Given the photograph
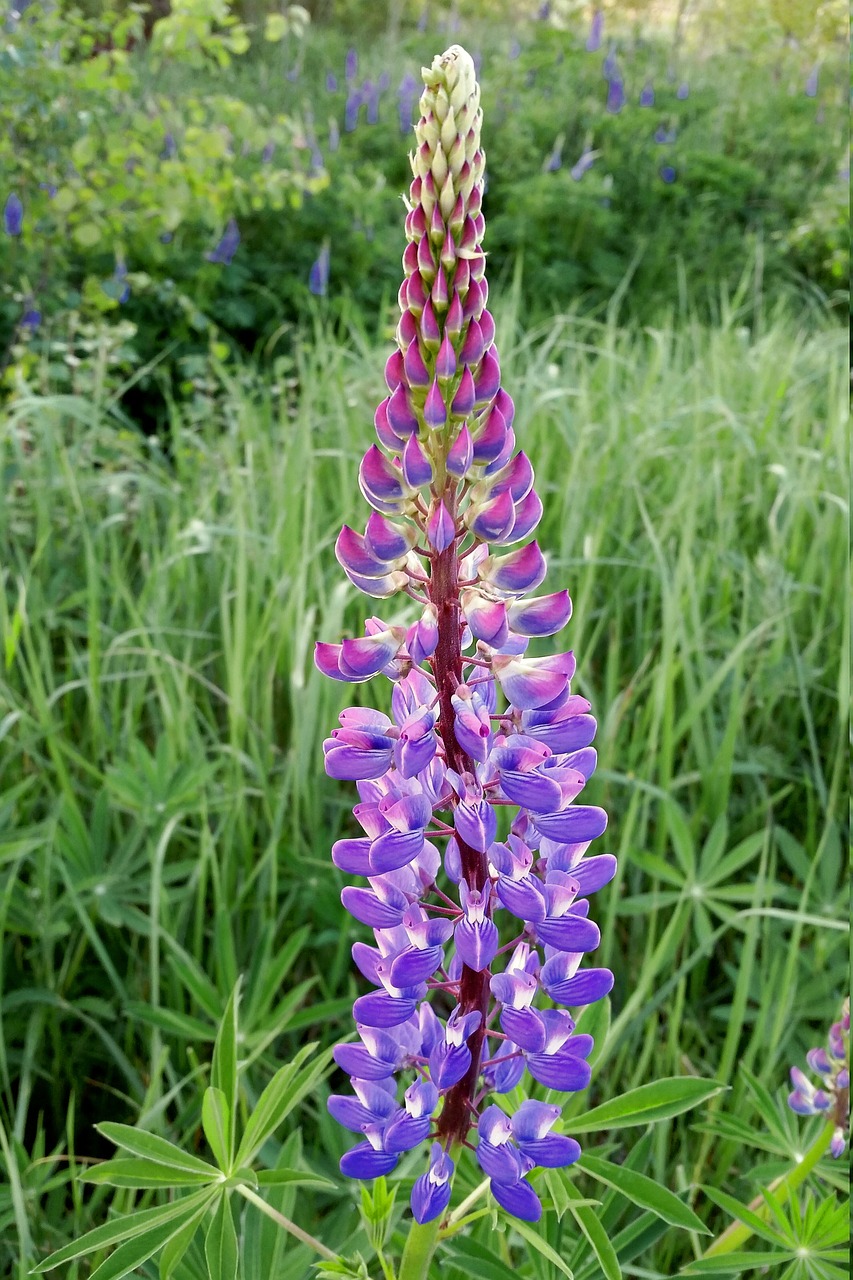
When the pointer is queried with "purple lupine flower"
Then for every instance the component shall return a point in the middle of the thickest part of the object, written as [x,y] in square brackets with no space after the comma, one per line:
[228,245]
[351,65]
[49,188]
[664,136]
[370,93]
[119,278]
[331,82]
[596,30]
[474,725]
[268,152]
[555,159]
[423,19]
[584,162]
[13,215]
[353,105]
[170,147]
[647,95]
[610,67]
[668,173]
[831,1098]
[334,135]
[544,11]
[683,91]
[813,81]
[615,96]
[31,317]
[514,50]
[407,96]
[318,277]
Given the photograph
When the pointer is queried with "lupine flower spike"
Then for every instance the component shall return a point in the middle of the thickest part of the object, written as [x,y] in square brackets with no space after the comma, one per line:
[470,832]
[831,1098]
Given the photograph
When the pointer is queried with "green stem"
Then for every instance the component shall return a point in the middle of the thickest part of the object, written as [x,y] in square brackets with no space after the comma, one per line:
[419,1249]
[261,1204]
[783,1188]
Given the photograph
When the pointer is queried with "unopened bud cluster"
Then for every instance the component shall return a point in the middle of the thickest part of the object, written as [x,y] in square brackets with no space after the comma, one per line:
[467,790]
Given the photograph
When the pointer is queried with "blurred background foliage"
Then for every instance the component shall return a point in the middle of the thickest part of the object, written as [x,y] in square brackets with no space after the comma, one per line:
[182,167]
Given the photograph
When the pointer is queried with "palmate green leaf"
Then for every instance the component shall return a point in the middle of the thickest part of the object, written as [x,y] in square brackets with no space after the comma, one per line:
[150,1146]
[588,1221]
[648,1104]
[216,1122]
[729,1263]
[174,1249]
[644,1192]
[220,1243]
[286,1089]
[137,1224]
[144,1174]
[223,1068]
[543,1247]
[741,1213]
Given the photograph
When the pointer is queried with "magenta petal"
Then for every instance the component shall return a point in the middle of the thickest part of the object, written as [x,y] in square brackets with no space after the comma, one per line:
[441,530]
[517,572]
[417,468]
[326,660]
[430,332]
[394,370]
[365,655]
[492,520]
[463,401]
[380,476]
[387,541]
[445,361]
[435,411]
[486,618]
[401,416]
[461,454]
[491,439]
[353,555]
[417,374]
[489,377]
[531,682]
[528,513]
[473,346]
[542,616]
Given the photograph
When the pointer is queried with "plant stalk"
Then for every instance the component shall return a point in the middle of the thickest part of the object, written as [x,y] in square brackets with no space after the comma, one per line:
[420,1247]
[286,1223]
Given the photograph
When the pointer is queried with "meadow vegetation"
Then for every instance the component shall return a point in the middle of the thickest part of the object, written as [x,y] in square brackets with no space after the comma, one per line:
[165,822]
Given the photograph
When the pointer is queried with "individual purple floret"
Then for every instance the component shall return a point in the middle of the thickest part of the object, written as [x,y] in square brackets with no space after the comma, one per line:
[832,1097]
[596,30]
[615,96]
[13,215]
[584,162]
[224,251]
[318,277]
[471,845]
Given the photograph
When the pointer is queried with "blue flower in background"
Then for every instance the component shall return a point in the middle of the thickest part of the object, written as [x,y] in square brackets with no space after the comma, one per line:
[331,82]
[813,81]
[664,137]
[351,110]
[585,162]
[370,95]
[423,20]
[49,188]
[267,153]
[555,160]
[351,65]
[407,96]
[514,50]
[647,96]
[170,147]
[334,135]
[596,30]
[227,247]
[668,173]
[544,11]
[31,317]
[318,277]
[683,91]
[120,277]
[13,215]
[384,82]
[615,96]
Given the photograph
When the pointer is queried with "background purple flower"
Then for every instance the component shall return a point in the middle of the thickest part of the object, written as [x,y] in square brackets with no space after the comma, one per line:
[13,215]
[318,277]
[224,251]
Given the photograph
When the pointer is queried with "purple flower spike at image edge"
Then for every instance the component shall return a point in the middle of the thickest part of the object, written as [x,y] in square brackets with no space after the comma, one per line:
[228,245]
[831,1097]
[467,828]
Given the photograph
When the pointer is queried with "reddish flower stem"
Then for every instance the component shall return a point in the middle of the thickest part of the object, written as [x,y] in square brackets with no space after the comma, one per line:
[455,1119]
